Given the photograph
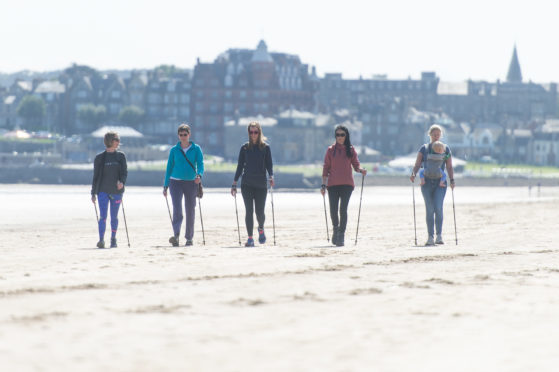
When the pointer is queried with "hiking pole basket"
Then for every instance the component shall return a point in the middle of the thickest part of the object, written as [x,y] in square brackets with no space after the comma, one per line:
[359,213]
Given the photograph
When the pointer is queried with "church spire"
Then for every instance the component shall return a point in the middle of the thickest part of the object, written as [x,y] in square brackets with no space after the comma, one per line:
[514,75]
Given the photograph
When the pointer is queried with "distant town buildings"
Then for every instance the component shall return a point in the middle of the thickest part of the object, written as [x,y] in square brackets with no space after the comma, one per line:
[509,120]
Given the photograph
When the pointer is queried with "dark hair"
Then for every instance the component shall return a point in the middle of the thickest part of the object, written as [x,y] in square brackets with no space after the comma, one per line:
[183,128]
[347,142]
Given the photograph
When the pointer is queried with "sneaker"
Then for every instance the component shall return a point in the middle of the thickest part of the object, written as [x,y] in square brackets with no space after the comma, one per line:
[188,242]
[113,243]
[430,241]
[261,236]
[439,240]
[101,244]
[174,241]
[335,235]
[249,243]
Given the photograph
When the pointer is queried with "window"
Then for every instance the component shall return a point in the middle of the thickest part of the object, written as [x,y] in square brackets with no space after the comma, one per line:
[115,94]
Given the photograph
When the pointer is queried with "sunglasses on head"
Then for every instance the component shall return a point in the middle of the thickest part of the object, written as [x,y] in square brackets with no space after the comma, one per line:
[340,134]
[253,132]
[184,134]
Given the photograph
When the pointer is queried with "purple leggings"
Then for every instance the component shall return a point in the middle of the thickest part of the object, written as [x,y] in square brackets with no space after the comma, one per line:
[104,200]
[188,189]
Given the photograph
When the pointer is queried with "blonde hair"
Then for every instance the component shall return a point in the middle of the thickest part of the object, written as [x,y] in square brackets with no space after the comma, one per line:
[438,145]
[435,127]
[109,138]
[261,141]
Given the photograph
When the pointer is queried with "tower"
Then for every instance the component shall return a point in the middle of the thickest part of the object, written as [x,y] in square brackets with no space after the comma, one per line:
[514,75]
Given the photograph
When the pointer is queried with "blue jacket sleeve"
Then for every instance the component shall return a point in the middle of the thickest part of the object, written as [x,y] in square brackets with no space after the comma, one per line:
[170,165]
[200,161]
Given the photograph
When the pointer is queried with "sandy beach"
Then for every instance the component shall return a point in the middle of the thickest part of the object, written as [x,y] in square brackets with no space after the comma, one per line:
[489,303]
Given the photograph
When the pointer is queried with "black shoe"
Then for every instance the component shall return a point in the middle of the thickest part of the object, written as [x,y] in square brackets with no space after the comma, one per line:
[101,244]
[113,243]
[340,239]
[174,240]
[334,235]
[188,242]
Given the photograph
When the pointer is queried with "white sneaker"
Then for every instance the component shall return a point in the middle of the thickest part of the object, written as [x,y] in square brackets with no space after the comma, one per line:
[430,241]
[439,240]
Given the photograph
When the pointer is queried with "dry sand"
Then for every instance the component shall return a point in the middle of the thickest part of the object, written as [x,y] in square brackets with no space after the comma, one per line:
[489,303]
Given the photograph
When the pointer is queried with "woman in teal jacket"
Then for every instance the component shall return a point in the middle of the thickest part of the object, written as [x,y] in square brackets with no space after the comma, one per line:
[185,168]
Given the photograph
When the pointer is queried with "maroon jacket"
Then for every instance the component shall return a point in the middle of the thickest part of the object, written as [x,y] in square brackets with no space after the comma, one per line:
[337,166]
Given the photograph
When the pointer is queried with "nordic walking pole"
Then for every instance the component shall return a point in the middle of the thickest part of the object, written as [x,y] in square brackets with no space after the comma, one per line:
[454,212]
[202,222]
[125,224]
[237,213]
[414,224]
[96,214]
[273,215]
[169,210]
[326,218]
[359,214]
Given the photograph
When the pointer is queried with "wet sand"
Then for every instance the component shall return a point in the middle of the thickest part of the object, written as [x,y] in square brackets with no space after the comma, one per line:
[489,303]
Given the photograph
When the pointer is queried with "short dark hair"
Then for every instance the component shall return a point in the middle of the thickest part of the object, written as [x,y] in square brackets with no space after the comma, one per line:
[109,138]
[183,128]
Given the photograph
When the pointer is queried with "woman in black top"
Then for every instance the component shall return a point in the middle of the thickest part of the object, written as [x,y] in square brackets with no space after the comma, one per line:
[255,158]
[109,176]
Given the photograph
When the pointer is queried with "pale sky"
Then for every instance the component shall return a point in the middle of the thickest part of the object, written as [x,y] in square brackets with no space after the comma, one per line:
[456,39]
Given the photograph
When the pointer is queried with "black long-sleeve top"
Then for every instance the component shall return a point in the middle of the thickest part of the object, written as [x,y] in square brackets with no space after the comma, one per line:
[108,169]
[253,164]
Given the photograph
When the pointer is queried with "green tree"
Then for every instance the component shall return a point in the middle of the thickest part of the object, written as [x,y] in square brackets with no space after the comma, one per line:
[32,110]
[131,115]
[92,115]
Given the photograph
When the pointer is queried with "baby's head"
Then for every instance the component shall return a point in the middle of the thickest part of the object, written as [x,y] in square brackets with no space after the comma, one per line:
[438,147]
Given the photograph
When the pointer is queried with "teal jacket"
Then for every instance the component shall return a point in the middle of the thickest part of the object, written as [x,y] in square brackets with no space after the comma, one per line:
[178,167]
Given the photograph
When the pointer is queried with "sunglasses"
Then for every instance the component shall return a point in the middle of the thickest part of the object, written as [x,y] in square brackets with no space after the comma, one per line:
[116,139]
[340,134]
[253,132]
[184,134]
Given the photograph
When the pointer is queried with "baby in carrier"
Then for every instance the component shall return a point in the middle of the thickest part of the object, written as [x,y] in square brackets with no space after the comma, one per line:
[432,165]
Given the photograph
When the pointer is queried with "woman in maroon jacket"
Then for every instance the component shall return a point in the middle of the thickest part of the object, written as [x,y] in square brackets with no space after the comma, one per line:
[338,178]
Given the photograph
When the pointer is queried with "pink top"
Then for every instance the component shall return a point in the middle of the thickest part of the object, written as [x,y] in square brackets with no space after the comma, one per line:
[337,166]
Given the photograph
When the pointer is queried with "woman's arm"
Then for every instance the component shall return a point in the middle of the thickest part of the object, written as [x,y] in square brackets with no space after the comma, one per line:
[240,165]
[450,171]
[417,165]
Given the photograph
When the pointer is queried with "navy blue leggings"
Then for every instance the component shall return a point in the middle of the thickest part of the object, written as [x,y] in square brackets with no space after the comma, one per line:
[104,200]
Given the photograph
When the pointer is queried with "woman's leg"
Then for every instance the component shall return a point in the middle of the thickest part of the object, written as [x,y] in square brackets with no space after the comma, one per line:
[427,190]
[190,191]
[103,199]
[438,199]
[345,195]
[333,200]
[260,205]
[248,198]
[116,200]
[176,196]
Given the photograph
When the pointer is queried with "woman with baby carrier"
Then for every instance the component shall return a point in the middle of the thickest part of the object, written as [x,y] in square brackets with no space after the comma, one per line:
[433,161]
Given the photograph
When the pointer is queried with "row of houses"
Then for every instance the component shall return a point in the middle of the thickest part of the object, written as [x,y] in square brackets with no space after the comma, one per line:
[242,83]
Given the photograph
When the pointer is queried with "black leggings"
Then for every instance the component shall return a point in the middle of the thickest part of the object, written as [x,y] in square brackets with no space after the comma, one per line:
[254,197]
[335,193]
